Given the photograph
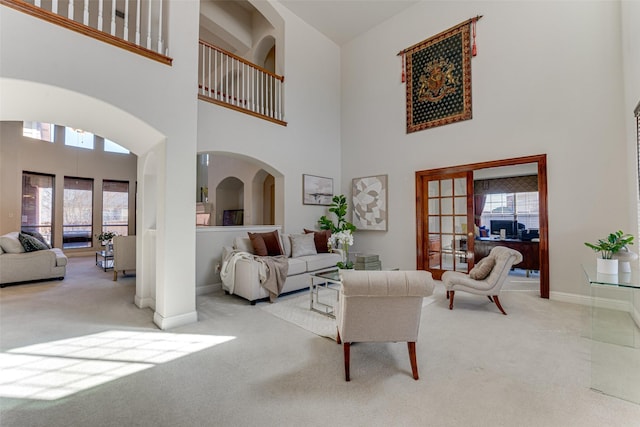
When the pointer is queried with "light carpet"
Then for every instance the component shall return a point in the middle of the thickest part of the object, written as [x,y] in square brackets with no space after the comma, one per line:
[295,309]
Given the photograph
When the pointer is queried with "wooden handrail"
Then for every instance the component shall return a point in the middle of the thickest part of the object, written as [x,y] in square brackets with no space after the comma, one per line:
[244,61]
[54,18]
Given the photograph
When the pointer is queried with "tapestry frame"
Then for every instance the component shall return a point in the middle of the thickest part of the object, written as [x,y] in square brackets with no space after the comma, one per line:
[369,196]
[317,190]
[429,101]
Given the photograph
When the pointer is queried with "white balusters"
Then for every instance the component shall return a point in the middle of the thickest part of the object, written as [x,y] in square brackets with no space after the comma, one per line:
[149,26]
[96,9]
[100,11]
[231,80]
[138,22]
[113,17]
[85,14]
[125,31]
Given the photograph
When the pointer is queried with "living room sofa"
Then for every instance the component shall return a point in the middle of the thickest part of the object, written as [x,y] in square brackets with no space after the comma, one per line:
[17,265]
[245,278]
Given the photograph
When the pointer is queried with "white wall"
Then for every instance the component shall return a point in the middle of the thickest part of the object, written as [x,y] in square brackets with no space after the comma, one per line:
[148,107]
[309,144]
[547,79]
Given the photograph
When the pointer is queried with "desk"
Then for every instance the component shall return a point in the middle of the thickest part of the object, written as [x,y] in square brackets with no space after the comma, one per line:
[615,336]
[530,251]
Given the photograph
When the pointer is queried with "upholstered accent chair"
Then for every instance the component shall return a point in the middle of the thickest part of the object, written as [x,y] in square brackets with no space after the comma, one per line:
[502,259]
[124,255]
[381,306]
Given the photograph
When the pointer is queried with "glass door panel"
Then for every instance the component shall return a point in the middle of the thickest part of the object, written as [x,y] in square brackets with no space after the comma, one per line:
[449,209]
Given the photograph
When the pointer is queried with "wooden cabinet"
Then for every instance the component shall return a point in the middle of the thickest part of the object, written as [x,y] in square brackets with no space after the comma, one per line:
[530,251]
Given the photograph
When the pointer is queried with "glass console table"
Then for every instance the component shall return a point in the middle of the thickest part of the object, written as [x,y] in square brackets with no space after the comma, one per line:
[615,333]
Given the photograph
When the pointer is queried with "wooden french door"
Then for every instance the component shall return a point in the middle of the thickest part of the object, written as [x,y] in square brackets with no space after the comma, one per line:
[446,221]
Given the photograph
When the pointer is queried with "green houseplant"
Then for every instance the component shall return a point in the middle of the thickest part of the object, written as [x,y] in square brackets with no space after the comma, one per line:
[611,244]
[342,230]
[607,248]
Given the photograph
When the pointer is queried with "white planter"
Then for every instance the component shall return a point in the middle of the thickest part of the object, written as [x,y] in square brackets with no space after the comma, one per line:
[607,266]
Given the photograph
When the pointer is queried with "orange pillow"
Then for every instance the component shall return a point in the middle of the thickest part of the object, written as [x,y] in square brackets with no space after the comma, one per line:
[266,244]
[320,238]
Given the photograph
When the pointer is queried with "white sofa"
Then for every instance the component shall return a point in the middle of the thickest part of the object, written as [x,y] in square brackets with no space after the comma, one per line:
[16,265]
[246,281]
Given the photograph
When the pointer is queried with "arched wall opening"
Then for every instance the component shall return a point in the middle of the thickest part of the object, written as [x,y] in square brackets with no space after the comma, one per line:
[261,189]
[24,100]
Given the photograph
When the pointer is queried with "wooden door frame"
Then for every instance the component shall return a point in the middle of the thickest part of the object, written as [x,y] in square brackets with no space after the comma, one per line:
[540,160]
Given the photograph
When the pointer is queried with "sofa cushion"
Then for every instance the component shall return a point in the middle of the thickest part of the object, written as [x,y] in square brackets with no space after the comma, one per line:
[31,244]
[296,266]
[10,243]
[320,261]
[482,269]
[302,244]
[38,236]
[243,244]
[321,239]
[266,244]
[285,240]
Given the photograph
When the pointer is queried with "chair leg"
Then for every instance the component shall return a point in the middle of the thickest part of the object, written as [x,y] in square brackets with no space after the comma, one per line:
[338,340]
[115,276]
[412,358]
[451,294]
[497,301]
[490,299]
[347,357]
[447,294]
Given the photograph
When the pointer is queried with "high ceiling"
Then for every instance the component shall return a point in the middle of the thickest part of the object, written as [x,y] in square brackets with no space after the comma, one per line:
[343,20]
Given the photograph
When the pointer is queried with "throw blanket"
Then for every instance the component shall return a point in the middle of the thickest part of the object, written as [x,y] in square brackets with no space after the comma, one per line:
[272,272]
[277,268]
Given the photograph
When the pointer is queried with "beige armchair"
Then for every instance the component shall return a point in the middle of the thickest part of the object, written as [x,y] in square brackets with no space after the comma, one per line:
[381,306]
[491,285]
[124,255]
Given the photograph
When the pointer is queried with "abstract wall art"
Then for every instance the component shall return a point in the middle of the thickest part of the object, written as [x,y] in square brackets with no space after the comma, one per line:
[369,197]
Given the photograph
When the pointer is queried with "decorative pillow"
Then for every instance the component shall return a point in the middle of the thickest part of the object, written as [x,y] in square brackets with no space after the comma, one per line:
[266,244]
[30,243]
[243,244]
[10,243]
[302,244]
[320,238]
[37,236]
[482,269]
[286,245]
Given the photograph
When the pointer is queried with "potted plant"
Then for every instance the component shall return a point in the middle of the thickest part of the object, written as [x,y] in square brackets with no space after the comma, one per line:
[607,248]
[342,230]
[105,238]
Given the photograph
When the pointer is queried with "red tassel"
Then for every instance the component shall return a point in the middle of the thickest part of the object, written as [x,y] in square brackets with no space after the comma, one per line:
[474,50]
[403,74]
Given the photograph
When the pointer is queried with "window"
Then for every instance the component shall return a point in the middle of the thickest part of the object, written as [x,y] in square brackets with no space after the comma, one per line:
[519,207]
[78,138]
[37,204]
[115,207]
[38,130]
[77,226]
[112,147]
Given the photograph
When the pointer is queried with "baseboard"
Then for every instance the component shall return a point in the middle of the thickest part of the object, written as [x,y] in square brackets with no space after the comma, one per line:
[207,289]
[174,321]
[144,302]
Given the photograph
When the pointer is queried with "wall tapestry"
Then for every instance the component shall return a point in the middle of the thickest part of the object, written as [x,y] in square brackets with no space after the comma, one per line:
[369,196]
[316,190]
[439,78]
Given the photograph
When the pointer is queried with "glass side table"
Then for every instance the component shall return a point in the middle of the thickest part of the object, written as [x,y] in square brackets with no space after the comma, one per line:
[104,259]
[324,284]
[614,332]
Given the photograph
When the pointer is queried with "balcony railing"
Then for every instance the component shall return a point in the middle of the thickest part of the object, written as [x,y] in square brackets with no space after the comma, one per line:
[135,25]
[233,82]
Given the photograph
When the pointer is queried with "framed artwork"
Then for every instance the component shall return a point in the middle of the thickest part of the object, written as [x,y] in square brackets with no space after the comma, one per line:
[316,190]
[438,89]
[369,197]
